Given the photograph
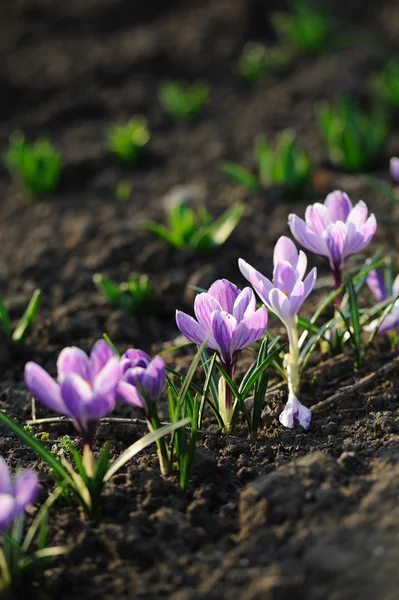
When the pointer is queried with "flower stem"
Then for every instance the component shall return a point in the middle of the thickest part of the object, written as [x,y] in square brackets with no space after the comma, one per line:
[88,460]
[5,580]
[337,284]
[226,400]
[293,357]
[154,423]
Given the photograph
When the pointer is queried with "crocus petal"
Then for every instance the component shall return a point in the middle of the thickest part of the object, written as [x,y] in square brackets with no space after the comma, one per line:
[101,353]
[295,411]
[390,322]
[76,393]
[223,326]
[306,236]
[335,238]
[318,217]
[368,229]
[154,377]
[285,250]
[107,379]
[189,327]
[204,306]
[73,360]
[131,395]
[339,205]
[225,293]
[376,283]
[43,387]
[136,355]
[310,282]
[281,305]
[296,298]
[7,511]
[302,264]
[284,277]
[5,478]
[99,406]
[250,330]
[26,488]
[261,284]
[245,304]
[358,214]
[394,167]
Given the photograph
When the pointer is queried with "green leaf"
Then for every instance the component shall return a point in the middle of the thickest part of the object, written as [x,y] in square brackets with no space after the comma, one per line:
[5,318]
[106,287]
[240,175]
[28,317]
[223,227]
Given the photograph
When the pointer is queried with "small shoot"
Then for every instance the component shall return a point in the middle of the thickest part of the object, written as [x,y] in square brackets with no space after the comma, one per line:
[193,229]
[386,83]
[355,140]
[24,323]
[128,141]
[304,28]
[258,61]
[183,101]
[37,167]
[133,296]
[284,165]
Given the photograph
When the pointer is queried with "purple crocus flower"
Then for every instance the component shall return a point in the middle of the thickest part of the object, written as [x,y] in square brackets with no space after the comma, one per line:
[288,292]
[294,411]
[394,168]
[15,495]
[85,387]
[376,283]
[141,375]
[335,229]
[227,318]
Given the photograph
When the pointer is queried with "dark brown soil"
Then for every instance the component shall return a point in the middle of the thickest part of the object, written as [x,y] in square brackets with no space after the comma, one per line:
[293,515]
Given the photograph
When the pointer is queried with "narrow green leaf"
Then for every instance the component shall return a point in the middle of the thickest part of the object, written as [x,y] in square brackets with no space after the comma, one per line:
[240,175]
[27,318]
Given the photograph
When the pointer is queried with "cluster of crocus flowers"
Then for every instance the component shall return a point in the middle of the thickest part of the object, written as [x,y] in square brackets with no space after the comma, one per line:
[376,283]
[15,495]
[142,379]
[285,296]
[228,321]
[335,229]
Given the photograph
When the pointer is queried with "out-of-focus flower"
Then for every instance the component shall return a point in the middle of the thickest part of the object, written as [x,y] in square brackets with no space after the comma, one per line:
[334,229]
[376,283]
[15,495]
[227,318]
[286,294]
[394,167]
[141,376]
[85,387]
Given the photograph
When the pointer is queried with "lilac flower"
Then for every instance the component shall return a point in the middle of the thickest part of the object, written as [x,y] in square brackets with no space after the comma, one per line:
[334,229]
[15,495]
[288,292]
[141,375]
[227,318]
[394,167]
[376,283]
[295,411]
[85,388]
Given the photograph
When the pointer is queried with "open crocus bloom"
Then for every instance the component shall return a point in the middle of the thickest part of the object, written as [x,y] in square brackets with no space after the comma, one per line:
[376,283]
[334,229]
[287,293]
[85,387]
[227,318]
[141,375]
[15,495]
[394,167]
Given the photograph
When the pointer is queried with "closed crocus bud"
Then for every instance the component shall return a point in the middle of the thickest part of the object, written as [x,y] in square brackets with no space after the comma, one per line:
[295,412]
[85,388]
[394,168]
[143,379]
[15,495]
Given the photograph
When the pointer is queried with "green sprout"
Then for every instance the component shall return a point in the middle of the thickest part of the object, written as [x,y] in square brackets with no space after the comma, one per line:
[24,323]
[37,167]
[184,101]
[257,60]
[354,139]
[304,28]
[193,228]
[127,141]
[285,165]
[386,84]
[133,296]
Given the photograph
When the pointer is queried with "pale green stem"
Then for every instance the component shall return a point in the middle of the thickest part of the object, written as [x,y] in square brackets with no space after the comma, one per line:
[5,580]
[225,404]
[293,356]
[89,462]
